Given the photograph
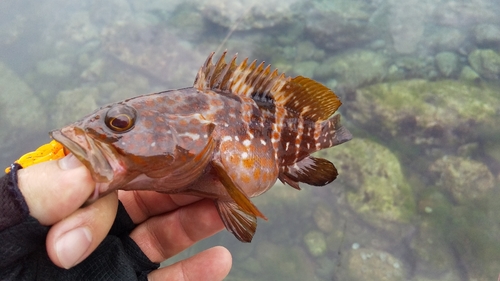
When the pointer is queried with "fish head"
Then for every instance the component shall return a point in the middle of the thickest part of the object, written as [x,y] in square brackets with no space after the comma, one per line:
[102,141]
[139,144]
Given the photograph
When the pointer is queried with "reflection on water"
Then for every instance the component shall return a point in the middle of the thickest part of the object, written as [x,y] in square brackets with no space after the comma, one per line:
[417,196]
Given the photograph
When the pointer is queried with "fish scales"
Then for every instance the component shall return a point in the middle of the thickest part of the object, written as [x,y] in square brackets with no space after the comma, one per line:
[229,138]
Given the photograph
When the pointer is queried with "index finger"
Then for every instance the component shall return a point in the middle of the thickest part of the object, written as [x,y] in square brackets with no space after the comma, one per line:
[143,204]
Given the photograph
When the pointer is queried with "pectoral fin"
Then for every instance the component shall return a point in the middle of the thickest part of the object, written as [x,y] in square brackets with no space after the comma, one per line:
[240,216]
[235,192]
[310,170]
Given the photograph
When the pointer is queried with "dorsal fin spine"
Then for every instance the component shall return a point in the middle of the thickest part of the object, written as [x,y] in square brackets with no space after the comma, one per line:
[225,75]
[303,96]
[259,76]
[267,87]
[238,76]
[241,86]
[228,79]
[216,71]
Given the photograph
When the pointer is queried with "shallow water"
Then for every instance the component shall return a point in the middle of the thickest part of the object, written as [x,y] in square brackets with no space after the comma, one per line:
[417,196]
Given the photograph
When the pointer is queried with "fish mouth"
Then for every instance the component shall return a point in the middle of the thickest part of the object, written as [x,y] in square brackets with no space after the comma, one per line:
[93,154]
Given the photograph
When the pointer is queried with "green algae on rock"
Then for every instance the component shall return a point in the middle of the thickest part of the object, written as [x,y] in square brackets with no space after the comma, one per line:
[444,114]
[447,63]
[324,218]
[315,243]
[468,74]
[486,62]
[463,178]
[377,188]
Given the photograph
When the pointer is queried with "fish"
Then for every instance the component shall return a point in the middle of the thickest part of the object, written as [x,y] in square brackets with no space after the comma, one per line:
[229,137]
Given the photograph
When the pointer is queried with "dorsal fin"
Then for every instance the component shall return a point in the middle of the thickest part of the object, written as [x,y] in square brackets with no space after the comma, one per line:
[301,95]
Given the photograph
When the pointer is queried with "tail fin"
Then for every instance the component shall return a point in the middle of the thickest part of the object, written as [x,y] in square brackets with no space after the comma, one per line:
[332,133]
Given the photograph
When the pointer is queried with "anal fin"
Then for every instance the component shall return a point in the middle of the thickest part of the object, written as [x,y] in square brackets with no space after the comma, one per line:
[238,221]
[310,170]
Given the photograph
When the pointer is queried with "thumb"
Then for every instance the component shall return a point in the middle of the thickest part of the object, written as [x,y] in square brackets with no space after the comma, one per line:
[55,189]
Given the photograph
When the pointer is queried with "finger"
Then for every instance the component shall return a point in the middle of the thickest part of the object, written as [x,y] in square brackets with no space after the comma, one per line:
[141,205]
[164,236]
[55,189]
[71,240]
[210,265]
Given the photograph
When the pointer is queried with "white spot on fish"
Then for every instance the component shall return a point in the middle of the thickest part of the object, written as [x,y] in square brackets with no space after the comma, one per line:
[227,138]
[244,155]
[263,142]
[247,143]
[192,136]
[153,144]
[236,138]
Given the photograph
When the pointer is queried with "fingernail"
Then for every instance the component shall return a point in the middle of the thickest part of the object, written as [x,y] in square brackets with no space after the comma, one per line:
[69,162]
[71,246]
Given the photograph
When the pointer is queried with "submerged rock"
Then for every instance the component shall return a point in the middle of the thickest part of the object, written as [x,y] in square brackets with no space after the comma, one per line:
[324,218]
[71,105]
[447,63]
[156,51]
[406,28]
[420,114]
[283,262]
[435,257]
[468,74]
[376,187]
[337,24]
[415,67]
[315,243]
[446,39]
[464,13]
[487,34]
[463,178]
[370,264]
[486,63]
[21,113]
[54,67]
[243,15]
[354,68]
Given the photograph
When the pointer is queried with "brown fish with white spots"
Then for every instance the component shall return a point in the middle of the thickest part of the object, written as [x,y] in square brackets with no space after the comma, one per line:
[228,138]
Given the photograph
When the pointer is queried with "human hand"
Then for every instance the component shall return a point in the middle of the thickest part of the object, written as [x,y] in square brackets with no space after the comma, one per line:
[56,190]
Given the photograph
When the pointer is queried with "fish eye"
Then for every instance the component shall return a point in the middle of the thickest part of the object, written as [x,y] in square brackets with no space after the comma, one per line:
[120,118]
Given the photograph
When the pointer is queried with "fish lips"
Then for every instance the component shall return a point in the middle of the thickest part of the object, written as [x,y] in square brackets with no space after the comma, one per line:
[94,155]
